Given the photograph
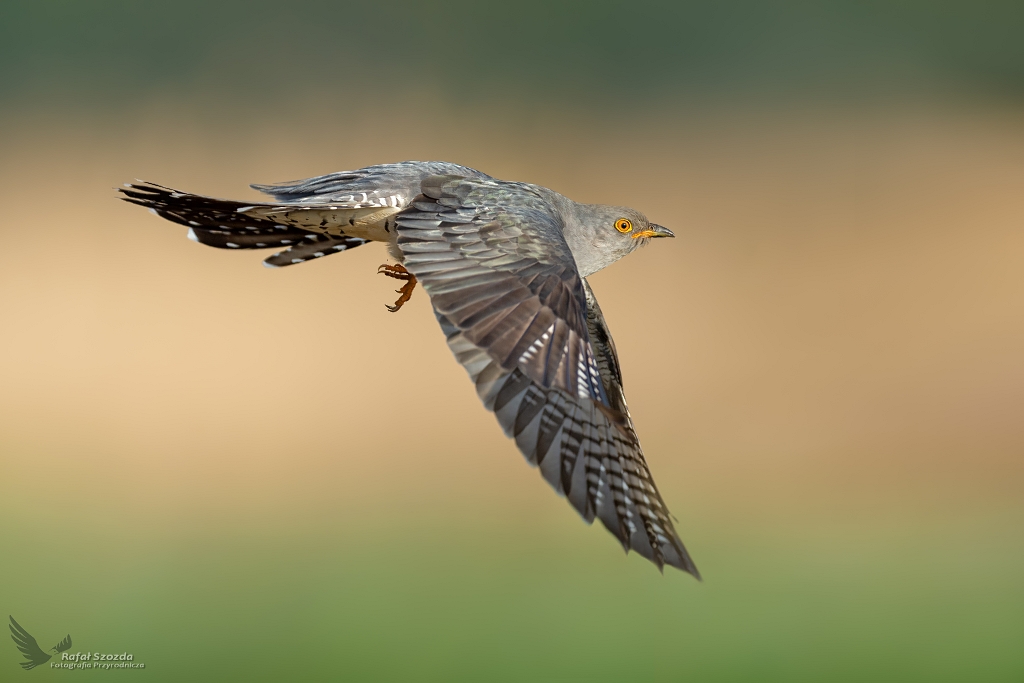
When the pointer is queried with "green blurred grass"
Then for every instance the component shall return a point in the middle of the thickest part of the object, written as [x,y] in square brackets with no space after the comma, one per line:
[113,51]
[447,599]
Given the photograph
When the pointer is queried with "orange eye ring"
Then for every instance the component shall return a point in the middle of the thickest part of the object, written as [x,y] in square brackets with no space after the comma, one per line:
[624,225]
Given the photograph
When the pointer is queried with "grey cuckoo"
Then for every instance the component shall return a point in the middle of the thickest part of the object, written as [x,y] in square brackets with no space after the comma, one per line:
[505,266]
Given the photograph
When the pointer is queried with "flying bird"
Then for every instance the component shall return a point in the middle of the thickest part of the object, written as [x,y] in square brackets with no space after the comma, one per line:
[30,648]
[505,266]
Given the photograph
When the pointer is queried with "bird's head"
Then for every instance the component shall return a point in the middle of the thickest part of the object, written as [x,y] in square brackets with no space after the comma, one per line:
[608,234]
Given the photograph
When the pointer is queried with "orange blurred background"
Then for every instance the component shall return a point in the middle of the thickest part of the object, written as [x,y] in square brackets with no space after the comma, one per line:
[840,316]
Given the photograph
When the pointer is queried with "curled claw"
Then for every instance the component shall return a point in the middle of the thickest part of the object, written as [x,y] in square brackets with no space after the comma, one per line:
[399,272]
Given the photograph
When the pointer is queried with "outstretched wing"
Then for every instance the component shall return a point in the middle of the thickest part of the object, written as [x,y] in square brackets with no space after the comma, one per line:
[525,325]
[28,646]
[63,645]
[371,186]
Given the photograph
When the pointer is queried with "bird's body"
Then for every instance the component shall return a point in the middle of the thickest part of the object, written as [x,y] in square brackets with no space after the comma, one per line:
[361,204]
[504,264]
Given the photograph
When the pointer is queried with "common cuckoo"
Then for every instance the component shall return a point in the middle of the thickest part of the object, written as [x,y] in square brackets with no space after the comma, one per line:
[505,267]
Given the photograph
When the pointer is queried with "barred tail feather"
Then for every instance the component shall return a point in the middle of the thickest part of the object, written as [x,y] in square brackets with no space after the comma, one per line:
[228,224]
[196,211]
[312,247]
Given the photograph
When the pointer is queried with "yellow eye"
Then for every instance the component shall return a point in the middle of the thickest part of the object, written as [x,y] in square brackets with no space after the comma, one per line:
[623,225]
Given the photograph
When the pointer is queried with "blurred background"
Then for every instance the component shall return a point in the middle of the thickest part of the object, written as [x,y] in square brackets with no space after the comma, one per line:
[242,474]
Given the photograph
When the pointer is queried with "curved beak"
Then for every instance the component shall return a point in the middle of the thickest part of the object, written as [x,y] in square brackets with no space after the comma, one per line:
[653,231]
[660,231]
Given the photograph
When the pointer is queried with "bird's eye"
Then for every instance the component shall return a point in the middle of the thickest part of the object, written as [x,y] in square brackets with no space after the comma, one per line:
[623,225]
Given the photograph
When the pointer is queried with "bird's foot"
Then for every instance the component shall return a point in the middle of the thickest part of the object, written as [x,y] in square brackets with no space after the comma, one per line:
[399,272]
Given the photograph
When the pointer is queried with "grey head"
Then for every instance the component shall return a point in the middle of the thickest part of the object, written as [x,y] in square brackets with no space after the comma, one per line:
[600,235]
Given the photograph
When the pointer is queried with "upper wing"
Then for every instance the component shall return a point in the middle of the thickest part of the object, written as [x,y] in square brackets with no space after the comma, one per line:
[525,325]
[28,646]
[367,186]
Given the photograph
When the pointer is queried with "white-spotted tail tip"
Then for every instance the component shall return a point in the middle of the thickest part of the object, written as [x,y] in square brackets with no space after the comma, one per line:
[269,265]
